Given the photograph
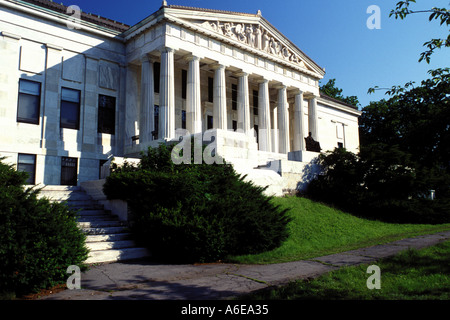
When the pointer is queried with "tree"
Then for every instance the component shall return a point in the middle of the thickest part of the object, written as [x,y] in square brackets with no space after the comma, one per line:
[331,90]
[39,239]
[402,10]
[415,118]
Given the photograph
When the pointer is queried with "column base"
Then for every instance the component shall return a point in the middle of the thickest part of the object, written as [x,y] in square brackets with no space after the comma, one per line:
[302,155]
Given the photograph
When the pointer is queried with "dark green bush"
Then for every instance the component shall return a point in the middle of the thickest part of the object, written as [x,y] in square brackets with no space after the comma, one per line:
[196,212]
[382,183]
[39,239]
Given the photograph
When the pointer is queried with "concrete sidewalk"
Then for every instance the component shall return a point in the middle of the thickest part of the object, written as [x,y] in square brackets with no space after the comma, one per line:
[144,280]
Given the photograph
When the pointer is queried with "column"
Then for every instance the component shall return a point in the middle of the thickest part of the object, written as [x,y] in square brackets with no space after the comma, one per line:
[220,98]
[243,104]
[312,119]
[50,133]
[275,131]
[131,103]
[167,96]
[283,120]
[193,98]
[146,117]
[265,143]
[299,139]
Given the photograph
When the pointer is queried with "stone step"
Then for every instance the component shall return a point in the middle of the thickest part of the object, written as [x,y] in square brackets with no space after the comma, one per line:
[105,230]
[108,237]
[65,195]
[85,205]
[102,256]
[86,212]
[60,188]
[100,224]
[96,217]
[107,245]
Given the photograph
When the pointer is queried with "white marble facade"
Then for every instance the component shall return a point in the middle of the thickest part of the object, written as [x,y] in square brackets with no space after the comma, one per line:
[180,68]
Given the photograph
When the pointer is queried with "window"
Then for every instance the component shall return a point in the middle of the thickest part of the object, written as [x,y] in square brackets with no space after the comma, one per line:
[156,74]
[183,119]
[27,163]
[256,133]
[69,171]
[106,114]
[210,122]
[29,101]
[234,96]
[339,131]
[255,102]
[234,125]
[70,108]
[101,163]
[155,133]
[340,145]
[210,89]
[184,84]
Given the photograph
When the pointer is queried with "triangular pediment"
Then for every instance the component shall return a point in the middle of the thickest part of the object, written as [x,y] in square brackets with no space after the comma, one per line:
[250,31]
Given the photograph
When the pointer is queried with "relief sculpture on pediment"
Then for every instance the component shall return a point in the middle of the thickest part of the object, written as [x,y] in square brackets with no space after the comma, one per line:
[256,37]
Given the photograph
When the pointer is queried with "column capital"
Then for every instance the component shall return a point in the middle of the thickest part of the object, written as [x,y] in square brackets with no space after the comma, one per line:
[242,74]
[262,81]
[166,49]
[146,58]
[192,57]
[281,86]
[298,92]
[216,66]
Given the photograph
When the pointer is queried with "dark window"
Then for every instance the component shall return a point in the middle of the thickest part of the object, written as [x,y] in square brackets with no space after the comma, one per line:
[155,133]
[210,89]
[184,83]
[210,122]
[234,125]
[70,108]
[102,162]
[234,96]
[183,119]
[255,102]
[106,114]
[340,145]
[257,133]
[29,101]
[156,73]
[69,171]
[27,163]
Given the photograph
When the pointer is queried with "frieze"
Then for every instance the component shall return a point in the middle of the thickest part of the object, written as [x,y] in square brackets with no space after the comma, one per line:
[254,36]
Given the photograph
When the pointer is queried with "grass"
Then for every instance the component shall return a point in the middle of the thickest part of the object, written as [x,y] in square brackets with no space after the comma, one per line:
[318,230]
[410,275]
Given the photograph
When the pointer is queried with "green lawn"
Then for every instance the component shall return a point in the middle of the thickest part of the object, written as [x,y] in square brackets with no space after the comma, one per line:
[318,230]
[410,275]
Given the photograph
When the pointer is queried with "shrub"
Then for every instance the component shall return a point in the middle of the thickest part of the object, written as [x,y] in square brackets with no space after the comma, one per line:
[196,212]
[383,183]
[39,239]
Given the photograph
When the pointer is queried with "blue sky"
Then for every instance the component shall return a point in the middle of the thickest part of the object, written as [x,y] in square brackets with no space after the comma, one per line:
[332,33]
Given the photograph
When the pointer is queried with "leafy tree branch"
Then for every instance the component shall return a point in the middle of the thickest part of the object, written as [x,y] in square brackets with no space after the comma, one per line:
[402,10]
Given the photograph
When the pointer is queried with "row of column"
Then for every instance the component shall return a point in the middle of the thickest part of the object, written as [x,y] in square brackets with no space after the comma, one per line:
[270,139]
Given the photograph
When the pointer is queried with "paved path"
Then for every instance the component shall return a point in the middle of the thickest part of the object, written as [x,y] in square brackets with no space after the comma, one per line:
[143,280]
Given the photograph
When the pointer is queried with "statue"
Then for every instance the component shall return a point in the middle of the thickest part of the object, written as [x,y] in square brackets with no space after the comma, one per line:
[265,41]
[227,30]
[258,40]
[311,144]
[250,36]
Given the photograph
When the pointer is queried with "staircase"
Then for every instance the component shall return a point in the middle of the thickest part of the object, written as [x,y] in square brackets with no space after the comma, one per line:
[107,238]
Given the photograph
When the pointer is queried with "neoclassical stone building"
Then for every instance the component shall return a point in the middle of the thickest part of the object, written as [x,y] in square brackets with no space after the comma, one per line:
[76,92]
